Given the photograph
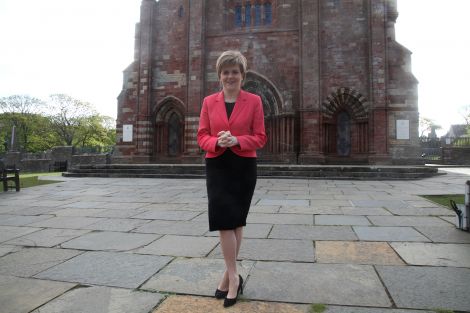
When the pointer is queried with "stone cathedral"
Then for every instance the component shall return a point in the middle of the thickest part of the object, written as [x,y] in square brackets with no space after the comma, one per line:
[336,86]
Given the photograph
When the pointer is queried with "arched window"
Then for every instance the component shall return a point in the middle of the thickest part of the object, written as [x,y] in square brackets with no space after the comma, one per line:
[268,14]
[257,14]
[238,16]
[181,11]
[248,15]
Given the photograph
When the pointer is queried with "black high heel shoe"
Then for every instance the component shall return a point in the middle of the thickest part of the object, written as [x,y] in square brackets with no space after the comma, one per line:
[228,301]
[219,294]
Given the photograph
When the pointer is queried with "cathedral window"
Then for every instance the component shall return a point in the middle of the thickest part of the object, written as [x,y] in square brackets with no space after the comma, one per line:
[268,14]
[257,14]
[252,13]
[238,16]
[248,14]
[181,11]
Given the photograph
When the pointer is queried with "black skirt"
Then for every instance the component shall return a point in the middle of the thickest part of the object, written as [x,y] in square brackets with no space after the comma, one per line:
[231,181]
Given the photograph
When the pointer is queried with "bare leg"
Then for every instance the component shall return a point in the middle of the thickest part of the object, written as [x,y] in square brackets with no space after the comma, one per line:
[228,243]
[223,285]
[239,235]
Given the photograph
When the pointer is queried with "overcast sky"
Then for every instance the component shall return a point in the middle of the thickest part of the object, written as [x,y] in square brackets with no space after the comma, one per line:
[81,48]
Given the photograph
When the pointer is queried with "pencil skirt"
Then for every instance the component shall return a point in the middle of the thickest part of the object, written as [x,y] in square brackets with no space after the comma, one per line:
[231,181]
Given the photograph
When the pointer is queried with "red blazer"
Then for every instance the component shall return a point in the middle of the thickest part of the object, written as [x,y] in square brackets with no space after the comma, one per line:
[246,123]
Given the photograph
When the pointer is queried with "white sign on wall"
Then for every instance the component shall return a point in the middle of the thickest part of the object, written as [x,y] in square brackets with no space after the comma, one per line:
[127,133]
[403,129]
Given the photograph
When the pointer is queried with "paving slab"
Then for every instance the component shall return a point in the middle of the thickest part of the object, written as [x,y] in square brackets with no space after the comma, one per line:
[388,204]
[189,228]
[47,237]
[434,254]
[30,261]
[121,213]
[21,220]
[10,232]
[192,276]
[249,231]
[273,250]
[73,222]
[373,233]
[5,249]
[78,212]
[427,287]
[102,300]
[283,202]
[312,232]
[191,304]
[21,295]
[265,208]
[364,211]
[341,220]
[117,224]
[285,219]
[187,246]
[309,210]
[115,269]
[32,210]
[104,240]
[432,211]
[316,283]
[167,215]
[445,234]
[354,252]
[407,221]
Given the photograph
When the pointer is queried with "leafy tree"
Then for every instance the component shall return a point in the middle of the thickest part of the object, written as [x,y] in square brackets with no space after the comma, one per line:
[427,125]
[21,111]
[67,116]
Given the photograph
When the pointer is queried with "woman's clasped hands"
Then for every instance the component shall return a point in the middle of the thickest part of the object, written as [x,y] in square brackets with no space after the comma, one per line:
[226,140]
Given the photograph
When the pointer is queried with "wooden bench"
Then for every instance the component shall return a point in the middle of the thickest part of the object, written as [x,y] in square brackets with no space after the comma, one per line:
[9,174]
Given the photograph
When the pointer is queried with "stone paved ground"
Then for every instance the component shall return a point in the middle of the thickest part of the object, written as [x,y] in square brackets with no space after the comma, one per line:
[142,245]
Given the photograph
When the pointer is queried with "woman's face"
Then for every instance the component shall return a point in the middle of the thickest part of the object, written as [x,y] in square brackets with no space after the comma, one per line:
[231,78]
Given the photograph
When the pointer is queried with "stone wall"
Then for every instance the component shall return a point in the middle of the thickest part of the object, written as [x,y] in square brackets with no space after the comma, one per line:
[456,155]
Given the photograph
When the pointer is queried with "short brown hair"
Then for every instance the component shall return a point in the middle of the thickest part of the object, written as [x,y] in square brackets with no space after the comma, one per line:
[230,58]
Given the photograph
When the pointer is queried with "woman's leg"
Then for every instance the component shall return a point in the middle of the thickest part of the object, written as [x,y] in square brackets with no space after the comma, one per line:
[228,243]
[239,235]
[223,285]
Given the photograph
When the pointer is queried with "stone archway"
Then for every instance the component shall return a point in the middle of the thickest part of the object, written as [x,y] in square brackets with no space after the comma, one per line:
[345,124]
[169,129]
[279,124]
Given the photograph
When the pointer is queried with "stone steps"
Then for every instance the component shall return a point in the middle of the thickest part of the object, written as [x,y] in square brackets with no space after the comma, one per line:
[353,172]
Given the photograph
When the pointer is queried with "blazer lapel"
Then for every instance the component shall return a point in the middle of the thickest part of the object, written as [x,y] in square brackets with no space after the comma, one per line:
[239,104]
[220,107]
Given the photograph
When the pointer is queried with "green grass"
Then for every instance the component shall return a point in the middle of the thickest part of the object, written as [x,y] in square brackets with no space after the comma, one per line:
[40,174]
[317,308]
[444,199]
[31,181]
[443,311]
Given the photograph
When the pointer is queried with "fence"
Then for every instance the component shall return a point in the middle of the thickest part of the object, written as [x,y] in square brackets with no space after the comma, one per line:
[445,150]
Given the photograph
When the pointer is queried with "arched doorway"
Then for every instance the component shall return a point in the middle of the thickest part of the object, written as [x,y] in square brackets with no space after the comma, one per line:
[279,125]
[169,129]
[345,124]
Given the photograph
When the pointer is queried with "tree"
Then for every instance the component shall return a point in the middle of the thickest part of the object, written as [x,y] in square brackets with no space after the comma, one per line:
[68,115]
[76,123]
[427,125]
[21,111]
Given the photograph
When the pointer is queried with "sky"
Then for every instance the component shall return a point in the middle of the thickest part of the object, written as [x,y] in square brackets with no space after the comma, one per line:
[80,48]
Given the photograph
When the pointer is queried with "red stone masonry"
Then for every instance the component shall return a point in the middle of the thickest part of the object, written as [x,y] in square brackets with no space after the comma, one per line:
[332,78]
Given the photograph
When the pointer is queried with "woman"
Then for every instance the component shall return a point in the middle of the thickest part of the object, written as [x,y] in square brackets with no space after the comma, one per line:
[231,128]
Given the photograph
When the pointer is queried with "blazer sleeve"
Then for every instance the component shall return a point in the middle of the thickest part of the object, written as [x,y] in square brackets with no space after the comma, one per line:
[258,137]
[206,141]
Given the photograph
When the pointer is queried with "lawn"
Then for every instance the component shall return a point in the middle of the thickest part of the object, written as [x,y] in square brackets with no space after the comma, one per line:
[31,179]
[444,199]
